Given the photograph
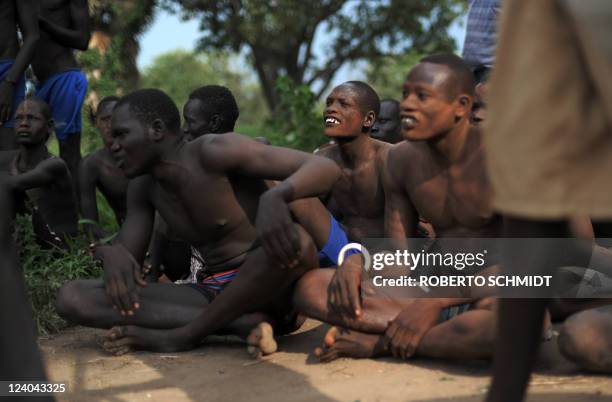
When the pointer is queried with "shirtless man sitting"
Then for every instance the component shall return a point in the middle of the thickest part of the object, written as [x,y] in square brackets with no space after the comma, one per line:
[98,170]
[189,183]
[439,175]
[40,179]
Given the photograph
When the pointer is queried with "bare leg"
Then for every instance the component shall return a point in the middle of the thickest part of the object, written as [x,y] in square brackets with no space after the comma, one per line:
[467,336]
[259,285]
[520,320]
[21,358]
[585,339]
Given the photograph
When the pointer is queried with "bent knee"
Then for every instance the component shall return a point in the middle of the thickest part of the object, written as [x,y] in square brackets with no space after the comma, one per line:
[311,289]
[583,340]
[69,300]
[308,250]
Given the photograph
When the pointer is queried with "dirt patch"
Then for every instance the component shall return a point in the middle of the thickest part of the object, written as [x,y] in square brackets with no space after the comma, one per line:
[216,372]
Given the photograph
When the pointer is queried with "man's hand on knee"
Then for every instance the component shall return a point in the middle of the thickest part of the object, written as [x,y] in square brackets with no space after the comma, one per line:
[344,288]
[277,231]
[121,275]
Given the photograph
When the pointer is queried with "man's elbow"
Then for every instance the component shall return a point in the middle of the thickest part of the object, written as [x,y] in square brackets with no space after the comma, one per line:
[332,169]
[31,40]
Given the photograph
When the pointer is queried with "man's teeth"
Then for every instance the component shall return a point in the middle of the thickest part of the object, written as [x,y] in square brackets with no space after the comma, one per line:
[331,120]
[408,122]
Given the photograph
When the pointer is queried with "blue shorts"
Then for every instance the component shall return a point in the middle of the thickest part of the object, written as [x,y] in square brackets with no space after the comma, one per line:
[65,93]
[328,255]
[5,66]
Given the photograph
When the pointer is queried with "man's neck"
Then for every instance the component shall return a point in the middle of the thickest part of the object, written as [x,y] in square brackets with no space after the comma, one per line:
[356,150]
[29,157]
[165,168]
[452,145]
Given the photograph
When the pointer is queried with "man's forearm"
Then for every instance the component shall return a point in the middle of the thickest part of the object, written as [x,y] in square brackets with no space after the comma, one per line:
[314,178]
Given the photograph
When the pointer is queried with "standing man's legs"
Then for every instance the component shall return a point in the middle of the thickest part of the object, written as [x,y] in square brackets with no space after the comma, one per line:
[65,93]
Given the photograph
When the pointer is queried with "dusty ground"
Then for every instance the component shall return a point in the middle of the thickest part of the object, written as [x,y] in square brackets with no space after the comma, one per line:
[225,373]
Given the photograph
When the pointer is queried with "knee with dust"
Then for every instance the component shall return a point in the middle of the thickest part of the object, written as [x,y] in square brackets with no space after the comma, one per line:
[309,290]
[583,340]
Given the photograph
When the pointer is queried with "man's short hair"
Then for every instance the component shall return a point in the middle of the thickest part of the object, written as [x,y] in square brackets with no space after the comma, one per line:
[368,98]
[219,100]
[150,104]
[105,100]
[390,100]
[463,78]
[44,106]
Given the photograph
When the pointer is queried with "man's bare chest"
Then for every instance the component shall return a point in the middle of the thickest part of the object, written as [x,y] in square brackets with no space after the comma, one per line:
[198,208]
[453,199]
[360,191]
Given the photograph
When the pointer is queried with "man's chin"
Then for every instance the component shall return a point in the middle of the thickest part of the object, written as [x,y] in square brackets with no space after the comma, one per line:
[335,135]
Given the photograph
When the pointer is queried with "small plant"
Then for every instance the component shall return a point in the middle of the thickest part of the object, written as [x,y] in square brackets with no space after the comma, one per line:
[297,121]
[46,270]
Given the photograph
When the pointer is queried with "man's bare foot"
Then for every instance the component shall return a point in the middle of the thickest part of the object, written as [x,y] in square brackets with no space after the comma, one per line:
[116,342]
[261,340]
[122,340]
[341,342]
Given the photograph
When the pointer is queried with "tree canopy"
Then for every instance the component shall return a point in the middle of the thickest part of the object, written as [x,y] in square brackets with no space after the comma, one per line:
[278,36]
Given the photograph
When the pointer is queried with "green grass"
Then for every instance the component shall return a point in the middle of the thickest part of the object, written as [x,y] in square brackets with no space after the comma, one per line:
[46,270]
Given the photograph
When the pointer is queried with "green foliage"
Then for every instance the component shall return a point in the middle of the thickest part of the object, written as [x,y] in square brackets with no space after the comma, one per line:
[278,36]
[387,75]
[179,72]
[297,123]
[46,270]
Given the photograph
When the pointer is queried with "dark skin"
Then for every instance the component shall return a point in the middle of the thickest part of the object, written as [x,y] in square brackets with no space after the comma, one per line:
[44,179]
[187,183]
[63,28]
[13,14]
[21,358]
[441,179]
[310,213]
[387,126]
[98,170]
[357,199]
[439,175]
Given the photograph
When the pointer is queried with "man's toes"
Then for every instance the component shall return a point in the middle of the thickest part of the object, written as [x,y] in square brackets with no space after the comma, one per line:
[261,340]
[330,336]
[121,351]
[115,333]
[329,355]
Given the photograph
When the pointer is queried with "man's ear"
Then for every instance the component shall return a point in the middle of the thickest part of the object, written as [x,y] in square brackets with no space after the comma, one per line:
[215,122]
[156,130]
[50,127]
[463,106]
[369,119]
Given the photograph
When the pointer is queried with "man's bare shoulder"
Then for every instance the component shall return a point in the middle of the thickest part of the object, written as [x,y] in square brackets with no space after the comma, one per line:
[93,160]
[218,151]
[331,151]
